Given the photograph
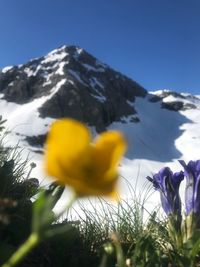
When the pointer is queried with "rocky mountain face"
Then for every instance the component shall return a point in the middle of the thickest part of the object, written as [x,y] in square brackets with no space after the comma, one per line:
[69,82]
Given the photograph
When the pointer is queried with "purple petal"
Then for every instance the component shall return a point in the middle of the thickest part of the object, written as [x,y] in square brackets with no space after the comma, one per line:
[192,194]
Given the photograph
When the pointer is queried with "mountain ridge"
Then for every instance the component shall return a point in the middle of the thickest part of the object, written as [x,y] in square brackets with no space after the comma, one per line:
[80,86]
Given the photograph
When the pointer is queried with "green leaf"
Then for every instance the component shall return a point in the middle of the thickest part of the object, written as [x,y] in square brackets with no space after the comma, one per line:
[43,215]
[195,244]
[55,191]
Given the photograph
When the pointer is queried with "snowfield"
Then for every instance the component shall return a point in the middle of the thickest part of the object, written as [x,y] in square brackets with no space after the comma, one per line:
[160,138]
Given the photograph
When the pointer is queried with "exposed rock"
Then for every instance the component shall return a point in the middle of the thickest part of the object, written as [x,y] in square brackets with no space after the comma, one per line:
[154,98]
[36,141]
[177,105]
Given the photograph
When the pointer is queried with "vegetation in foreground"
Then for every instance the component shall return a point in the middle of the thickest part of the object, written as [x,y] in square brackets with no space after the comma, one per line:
[31,234]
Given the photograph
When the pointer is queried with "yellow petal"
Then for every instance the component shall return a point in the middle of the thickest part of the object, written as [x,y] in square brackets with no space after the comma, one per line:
[99,189]
[67,149]
[109,147]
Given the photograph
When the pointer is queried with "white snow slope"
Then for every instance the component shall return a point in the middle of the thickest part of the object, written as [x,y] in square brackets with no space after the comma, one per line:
[159,139]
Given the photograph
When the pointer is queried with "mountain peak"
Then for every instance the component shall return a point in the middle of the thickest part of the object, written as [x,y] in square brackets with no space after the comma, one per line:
[70,82]
[63,51]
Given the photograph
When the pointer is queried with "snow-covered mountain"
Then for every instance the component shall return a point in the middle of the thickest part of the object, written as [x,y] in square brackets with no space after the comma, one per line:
[70,82]
[160,126]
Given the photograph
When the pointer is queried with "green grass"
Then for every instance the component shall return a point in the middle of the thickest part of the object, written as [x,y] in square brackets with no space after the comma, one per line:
[143,239]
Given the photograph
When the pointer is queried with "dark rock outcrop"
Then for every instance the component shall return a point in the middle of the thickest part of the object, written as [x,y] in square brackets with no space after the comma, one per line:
[177,105]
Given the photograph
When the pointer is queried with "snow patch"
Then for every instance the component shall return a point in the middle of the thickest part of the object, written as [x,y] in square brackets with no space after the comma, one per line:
[94,82]
[79,50]
[55,55]
[99,63]
[96,85]
[6,69]
[60,70]
[30,72]
[91,68]
[100,98]
[11,84]
[76,76]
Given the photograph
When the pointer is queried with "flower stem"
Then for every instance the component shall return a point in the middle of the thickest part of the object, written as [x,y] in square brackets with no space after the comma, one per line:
[34,239]
[23,250]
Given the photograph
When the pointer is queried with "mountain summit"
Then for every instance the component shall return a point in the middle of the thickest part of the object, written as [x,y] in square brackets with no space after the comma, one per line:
[72,83]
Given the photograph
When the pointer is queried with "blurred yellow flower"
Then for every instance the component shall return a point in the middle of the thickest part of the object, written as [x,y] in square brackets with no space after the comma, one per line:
[88,167]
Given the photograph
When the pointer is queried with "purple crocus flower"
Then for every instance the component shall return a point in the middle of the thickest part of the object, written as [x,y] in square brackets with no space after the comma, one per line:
[167,183]
[192,191]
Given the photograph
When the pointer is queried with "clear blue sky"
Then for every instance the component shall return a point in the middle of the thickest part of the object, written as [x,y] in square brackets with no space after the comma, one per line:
[155,42]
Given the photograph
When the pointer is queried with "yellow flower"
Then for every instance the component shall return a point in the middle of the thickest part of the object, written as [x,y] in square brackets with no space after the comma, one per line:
[90,168]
